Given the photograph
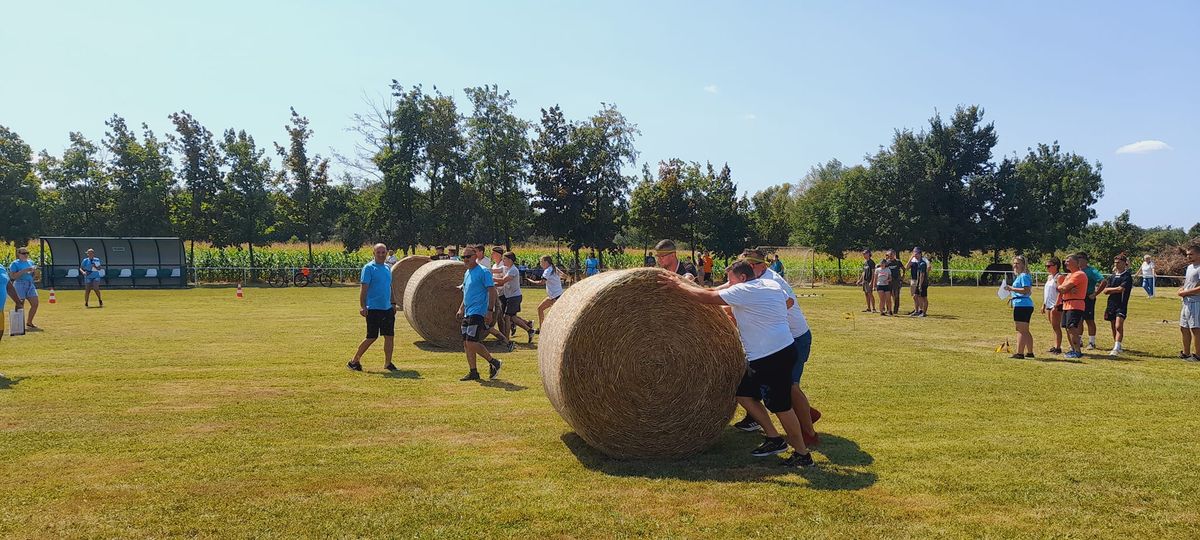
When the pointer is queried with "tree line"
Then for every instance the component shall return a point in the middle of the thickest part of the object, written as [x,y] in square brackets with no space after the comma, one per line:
[425,173]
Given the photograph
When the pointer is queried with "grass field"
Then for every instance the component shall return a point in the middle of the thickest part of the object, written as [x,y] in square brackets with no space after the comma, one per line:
[191,413]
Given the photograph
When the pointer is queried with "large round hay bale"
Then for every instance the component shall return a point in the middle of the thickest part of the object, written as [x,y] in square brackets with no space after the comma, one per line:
[431,301]
[401,272]
[638,371]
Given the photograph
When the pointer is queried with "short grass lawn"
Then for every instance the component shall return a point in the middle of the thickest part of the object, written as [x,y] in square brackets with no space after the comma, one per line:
[193,413]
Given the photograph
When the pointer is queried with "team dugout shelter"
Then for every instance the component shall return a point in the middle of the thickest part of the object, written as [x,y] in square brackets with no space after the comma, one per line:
[129,263]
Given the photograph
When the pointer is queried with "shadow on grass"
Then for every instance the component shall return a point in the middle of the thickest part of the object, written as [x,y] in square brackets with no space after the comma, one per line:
[945,317]
[1058,360]
[401,374]
[7,383]
[492,347]
[729,460]
[503,385]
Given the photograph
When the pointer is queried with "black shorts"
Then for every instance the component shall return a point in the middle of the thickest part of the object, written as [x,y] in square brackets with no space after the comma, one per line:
[381,322]
[708,276]
[1112,312]
[512,306]
[473,328]
[770,379]
[920,290]
[1089,309]
[1072,318]
[1022,314]
[883,288]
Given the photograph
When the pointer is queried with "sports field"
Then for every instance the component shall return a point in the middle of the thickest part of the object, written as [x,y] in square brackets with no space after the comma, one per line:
[192,413]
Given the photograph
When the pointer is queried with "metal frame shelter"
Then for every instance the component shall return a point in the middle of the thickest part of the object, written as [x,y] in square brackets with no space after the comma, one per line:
[129,263]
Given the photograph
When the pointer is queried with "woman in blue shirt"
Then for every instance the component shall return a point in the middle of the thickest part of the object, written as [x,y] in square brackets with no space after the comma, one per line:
[1022,305]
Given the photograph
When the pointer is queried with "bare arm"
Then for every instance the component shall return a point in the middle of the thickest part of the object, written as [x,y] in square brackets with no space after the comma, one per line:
[492,301]
[704,296]
[362,299]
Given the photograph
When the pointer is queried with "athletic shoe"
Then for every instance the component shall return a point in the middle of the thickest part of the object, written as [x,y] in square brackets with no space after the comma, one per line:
[354,366]
[1184,356]
[1091,346]
[1018,356]
[472,376]
[493,368]
[912,313]
[530,336]
[513,331]
[508,345]
[747,424]
[770,447]
[1029,355]
[922,315]
[799,460]
[1193,358]
[31,326]
[1073,354]
[1055,350]
[867,310]
[1116,351]
[391,367]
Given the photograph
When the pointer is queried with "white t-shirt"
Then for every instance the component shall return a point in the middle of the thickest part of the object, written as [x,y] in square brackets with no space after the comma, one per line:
[1148,269]
[512,289]
[760,307]
[553,283]
[391,260]
[1191,280]
[1050,293]
[796,320]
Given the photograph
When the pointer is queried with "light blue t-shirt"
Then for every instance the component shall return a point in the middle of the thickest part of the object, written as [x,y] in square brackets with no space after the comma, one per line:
[87,264]
[19,265]
[476,283]
[593,266]
[378,279]
[3,288]
[1022,300]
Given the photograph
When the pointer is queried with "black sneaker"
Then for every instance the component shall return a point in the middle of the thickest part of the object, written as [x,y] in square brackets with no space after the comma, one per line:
[472,376]
[747,424]
[391,367]
[799,460]
[770,446]
[1184,356]
[354,366]
[1029,355]
[530,336]
[493,368]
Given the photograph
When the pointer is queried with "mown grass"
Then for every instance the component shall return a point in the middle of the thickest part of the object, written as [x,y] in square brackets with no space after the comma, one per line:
[191,413]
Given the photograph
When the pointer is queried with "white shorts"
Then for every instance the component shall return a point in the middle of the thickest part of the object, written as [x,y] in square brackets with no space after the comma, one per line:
[1189,315]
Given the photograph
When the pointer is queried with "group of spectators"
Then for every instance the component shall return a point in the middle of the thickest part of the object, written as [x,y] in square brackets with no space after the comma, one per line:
[886,277]
[1069,302]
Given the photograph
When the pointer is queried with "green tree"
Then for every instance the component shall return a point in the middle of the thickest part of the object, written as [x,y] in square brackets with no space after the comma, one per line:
[658,204]
[79,198]
[771,210]
[828,212]
[396,141]
[499,154]
[605,143]
[1008,213]
[199,168]
[305,179]
[723,218]
[445,167]
[19,218]
[1194,231]
[246,205]
[558,183]
[1104,241]
[1065,188]
[141,174]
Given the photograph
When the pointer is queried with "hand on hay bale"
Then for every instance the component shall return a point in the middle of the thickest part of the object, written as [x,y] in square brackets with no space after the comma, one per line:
[629,385]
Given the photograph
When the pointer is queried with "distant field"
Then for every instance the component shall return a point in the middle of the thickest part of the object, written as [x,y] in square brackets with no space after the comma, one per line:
[191,413]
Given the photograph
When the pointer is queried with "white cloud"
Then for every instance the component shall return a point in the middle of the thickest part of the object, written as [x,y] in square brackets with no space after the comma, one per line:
[749,116]
[1143,147]
[712,89]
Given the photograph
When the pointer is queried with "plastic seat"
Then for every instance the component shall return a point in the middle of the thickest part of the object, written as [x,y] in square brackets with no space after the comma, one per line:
[125,273]
[151,272]
[72,273]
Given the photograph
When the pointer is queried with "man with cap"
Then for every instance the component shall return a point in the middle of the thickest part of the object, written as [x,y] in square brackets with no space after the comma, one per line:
[664,255]
[90,269]
[479,297]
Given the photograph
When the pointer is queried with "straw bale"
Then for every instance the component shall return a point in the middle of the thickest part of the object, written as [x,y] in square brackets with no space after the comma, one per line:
[431,302]
[401,272]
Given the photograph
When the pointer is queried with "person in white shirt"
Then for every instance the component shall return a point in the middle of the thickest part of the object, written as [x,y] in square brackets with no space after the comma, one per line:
[1148,275]
[1189,314]
[759,309]
[509,283]
[553,282]
[1050,304]
[391,258]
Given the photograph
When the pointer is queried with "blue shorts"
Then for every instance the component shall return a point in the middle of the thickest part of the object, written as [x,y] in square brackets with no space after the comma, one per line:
[25,289]
[803,348]
[91,279]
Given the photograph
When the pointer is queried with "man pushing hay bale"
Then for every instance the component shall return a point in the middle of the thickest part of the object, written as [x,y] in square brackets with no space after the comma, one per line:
[402,271]
[637,371]
[431,301]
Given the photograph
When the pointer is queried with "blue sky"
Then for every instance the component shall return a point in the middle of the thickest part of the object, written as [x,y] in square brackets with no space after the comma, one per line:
[772,88]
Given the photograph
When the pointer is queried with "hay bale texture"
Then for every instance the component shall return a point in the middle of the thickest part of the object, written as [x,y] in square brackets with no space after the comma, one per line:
[401,272]
[638,371]
[431,302]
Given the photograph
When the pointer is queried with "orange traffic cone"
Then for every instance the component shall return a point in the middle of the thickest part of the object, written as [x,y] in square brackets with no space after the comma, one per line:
[239,291]
[53,299]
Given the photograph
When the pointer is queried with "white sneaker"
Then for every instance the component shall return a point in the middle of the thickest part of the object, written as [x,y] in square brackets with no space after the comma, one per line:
[1115,352]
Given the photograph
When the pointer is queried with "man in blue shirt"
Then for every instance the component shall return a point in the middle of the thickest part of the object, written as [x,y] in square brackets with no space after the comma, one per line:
[21,274]
[479,297]
[375,304]
[592,264]
[1094,278]
[6,291]
[90,269]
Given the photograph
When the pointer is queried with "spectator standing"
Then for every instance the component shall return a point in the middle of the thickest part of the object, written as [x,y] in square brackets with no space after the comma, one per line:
[866,279]
[1119,288]
[1148,275]
[21,273]
[1051,304]
[1022,305]
[897,268]
[883,286]
[1189,314]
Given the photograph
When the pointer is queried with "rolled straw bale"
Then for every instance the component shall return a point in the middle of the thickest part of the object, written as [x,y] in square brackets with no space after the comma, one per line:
[639,371]
[431,302]
[401,272]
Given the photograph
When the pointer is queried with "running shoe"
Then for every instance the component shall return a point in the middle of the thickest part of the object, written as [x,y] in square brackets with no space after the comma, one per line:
[747,424]
[1029,355]
[493,368]
[391,367]
[1072,355]
[799,460]
[1018,356]
[354,366]
[472,376]
[770,447]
